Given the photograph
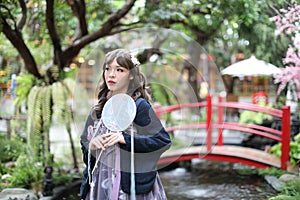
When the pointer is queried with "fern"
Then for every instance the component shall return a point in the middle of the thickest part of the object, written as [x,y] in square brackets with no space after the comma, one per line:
[70,86]
[46,107]
[59,102]
[47,104]
[69,91]
[38,121]
[24,84]
[30,111]
[34,119]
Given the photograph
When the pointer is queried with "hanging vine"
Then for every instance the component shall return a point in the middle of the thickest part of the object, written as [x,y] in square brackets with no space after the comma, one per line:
[46,103]
[47,121]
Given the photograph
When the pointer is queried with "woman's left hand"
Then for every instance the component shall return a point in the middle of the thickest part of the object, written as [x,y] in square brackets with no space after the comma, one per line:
[112,138]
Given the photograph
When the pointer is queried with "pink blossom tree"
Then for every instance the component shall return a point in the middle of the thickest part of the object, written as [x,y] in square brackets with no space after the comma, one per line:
[288,22]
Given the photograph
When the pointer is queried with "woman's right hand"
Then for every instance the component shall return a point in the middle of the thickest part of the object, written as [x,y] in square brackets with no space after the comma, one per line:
[106,140]
[98,142]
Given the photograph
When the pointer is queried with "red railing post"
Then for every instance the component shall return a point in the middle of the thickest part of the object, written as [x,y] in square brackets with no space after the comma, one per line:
[208,122]
[285,137]
[220,121]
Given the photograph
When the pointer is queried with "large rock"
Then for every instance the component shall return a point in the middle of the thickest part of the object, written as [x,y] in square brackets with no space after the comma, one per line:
[274,182]
[289,177]
[17,194]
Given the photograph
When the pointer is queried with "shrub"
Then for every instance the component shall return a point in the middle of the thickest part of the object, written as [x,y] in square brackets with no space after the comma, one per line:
[12,148]
[26,173]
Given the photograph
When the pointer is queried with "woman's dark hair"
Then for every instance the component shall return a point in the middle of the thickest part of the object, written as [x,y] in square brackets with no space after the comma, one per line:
[137,86]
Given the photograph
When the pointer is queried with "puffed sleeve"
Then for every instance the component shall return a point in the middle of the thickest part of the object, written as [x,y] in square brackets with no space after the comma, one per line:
[151,135]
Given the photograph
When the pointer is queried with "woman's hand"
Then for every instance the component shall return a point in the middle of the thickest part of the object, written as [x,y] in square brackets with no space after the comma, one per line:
[106,140]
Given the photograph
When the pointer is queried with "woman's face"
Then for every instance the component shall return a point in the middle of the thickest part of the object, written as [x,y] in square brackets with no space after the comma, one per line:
[117,78]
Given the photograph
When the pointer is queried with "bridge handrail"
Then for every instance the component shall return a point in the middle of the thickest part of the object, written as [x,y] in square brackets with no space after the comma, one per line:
[186,126]
[247,128]
[252,126]
[240,127]
[167,109]
[282,136]
[252,107]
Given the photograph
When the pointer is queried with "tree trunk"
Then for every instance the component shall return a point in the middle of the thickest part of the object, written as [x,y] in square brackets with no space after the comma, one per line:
[15,37]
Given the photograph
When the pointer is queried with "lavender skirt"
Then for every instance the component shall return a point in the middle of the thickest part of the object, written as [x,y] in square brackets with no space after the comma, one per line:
[106,178]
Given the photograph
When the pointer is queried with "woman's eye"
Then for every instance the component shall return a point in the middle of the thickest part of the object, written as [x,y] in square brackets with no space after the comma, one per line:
[120,70]
[106,68]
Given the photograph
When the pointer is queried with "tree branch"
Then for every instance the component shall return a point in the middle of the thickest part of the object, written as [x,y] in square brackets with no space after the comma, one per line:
[123,30]
[15,37]
[53,33]
[22,21]
[105,30]
[130,24]
[3,17]
[110,23]
[155,49]
[79,10]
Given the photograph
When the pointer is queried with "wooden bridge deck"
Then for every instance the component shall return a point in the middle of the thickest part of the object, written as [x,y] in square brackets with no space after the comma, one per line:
[229,153]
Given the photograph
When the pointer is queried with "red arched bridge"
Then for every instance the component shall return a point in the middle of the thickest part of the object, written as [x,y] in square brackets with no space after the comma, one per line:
[231,153]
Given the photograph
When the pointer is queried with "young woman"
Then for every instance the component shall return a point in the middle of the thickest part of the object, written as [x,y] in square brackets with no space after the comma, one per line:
[109,178]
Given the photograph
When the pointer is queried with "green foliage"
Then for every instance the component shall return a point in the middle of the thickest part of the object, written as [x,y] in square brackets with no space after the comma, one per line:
[71,74]
[26,172]
[5,75]
[280,101]
[3,174]
[290,191]
[25,82]
[258,31]
[276,150]
[61,111]
[294,150]
[46,104]
[161,94]
[3,169]
[12,148]
[271,171]
[60,176]
[252,117]
[226,25]
[10,5]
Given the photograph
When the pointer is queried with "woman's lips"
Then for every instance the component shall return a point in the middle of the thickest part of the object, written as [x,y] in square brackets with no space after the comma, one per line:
[111,82]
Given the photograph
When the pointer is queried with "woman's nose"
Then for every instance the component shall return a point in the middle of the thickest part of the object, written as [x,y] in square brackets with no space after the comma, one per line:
[112,73]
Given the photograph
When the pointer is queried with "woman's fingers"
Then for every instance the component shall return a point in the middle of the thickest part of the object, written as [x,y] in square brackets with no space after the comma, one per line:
[113,138]
[106,140]
[98,143]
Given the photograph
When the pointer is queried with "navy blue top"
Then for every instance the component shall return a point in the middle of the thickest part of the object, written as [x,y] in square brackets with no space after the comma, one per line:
[150,142]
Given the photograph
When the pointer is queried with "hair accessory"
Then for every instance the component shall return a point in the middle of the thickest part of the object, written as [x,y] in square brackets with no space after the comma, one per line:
[134,60]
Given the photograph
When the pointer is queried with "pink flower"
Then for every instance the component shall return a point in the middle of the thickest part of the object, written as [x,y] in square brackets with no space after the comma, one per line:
[288,23]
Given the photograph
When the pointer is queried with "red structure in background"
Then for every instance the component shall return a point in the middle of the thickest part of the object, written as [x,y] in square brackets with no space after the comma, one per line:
[232,154]
[260,96]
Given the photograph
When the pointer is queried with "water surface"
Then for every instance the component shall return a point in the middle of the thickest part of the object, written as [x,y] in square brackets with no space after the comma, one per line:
[209,180]
[215,180]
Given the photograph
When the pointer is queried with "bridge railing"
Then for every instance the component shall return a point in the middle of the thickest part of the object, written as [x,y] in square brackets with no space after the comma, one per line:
[282,136]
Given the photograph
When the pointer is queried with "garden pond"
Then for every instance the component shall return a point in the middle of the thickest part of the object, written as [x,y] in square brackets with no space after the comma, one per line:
[206,180]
